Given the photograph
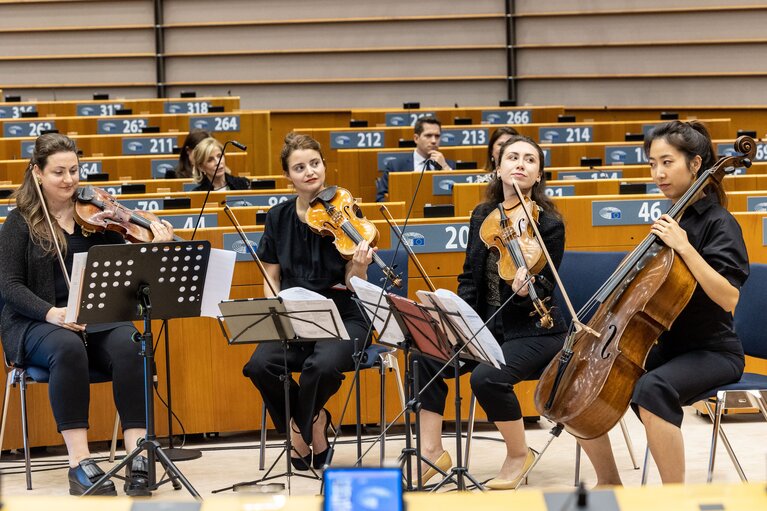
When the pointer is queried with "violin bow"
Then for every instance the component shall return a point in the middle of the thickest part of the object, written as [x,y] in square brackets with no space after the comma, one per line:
[576,321]
[230,214]
[47,215]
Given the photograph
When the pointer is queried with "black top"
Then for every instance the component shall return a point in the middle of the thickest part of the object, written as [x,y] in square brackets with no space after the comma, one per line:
[233,182]
[306,259]
[716,235]
[76,243]
[472,283]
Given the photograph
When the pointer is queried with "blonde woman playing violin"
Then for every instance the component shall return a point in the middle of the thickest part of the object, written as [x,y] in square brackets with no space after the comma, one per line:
[35,290]
[293,255]
[527,346]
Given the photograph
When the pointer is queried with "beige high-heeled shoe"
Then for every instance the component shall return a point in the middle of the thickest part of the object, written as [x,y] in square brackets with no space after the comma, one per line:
[511,484]
[444,462]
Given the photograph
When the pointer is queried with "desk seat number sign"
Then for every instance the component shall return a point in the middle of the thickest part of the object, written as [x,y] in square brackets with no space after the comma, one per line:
[148,145]
[627,212]
[436,238]
[27,128]
[356,139]
[464,137]
[215,123]
[565,135]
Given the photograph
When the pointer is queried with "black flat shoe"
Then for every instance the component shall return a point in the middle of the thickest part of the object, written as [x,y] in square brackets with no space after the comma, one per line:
[321,457]
[137,478]
[82,477]
[302,462]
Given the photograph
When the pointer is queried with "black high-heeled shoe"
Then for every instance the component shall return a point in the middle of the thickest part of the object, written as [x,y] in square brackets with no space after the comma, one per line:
[301,462]
[321,457]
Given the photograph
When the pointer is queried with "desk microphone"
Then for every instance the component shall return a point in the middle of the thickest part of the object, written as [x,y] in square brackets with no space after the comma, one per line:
[215,173]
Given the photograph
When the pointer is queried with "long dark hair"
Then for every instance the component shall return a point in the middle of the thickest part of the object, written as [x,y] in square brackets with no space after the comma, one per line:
[185,167]
[28,201]
[490,163]
[494,191]
[691,139]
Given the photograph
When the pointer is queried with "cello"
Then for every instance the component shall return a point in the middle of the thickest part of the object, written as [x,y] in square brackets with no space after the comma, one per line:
[588,386]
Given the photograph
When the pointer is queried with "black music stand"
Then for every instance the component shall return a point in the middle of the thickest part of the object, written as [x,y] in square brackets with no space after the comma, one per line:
[265,320]
[464,346]
[147,281]
[425,335]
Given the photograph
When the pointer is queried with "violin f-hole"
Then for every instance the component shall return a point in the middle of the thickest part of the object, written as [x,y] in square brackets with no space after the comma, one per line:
[612,330]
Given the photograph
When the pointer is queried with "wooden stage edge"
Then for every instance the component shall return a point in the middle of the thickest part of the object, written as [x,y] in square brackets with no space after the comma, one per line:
[728,497]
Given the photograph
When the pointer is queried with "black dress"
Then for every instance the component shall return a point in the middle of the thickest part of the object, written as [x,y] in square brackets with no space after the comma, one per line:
[311,261]
[233,182]
[701,350]
[527,348]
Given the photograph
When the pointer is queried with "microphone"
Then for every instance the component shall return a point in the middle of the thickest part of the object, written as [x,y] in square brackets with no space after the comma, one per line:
[215,173]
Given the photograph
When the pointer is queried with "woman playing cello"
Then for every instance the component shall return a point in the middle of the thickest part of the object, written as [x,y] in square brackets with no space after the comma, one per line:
[35,290]
[701,350]
[527,346]
[293,255]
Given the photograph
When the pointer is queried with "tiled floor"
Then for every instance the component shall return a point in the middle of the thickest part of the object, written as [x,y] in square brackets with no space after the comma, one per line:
[229,460]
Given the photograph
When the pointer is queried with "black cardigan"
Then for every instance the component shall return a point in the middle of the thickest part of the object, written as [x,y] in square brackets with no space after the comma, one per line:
[233,182]
[472,285]
[26,283]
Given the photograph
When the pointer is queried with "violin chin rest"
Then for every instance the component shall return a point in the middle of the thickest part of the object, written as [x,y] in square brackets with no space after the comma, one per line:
[327,194]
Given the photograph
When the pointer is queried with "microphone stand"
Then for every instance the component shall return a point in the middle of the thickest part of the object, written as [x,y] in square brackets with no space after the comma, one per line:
[178,453]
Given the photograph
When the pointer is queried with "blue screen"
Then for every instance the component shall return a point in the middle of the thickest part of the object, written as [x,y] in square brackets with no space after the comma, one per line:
[363,489]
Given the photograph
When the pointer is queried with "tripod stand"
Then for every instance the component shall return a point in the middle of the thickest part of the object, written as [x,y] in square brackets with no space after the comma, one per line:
[267,320]
[177,272]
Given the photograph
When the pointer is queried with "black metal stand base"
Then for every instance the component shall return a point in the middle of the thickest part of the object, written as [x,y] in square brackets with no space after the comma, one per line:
[179,454]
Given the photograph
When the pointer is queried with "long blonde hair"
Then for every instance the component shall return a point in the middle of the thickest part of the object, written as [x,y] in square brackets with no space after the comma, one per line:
[200,155]
[27,199]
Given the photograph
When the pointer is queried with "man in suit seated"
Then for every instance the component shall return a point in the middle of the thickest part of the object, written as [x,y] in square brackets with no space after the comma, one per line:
[426,134]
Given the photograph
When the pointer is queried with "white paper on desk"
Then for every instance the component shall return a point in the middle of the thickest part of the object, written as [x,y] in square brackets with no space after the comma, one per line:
[218,281]
[373,298]
[469,324]
[75,286]
[299,302]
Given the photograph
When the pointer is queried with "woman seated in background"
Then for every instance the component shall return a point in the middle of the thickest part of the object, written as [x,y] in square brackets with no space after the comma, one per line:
[209,174]
[497,139]
[184,167]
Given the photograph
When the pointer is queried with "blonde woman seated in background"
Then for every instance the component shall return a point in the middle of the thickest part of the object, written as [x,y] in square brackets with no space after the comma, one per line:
[205,157]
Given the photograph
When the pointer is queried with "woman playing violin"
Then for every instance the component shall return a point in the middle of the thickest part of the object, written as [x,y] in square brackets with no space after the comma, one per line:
[701,350]
[293,255]
[33,328]
[527,347]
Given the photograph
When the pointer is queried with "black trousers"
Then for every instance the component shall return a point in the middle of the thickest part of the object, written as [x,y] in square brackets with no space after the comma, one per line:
[321,365]
[110,351]
[494,388]
[673,379]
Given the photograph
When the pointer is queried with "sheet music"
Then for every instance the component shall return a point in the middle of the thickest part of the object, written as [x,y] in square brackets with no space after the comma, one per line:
[300,303]
[218,281]
[469,324]
[75,286]
[389,332]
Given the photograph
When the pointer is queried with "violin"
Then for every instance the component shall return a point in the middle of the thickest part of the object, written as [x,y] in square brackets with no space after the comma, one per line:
[512,237]
[97,211]
[334,212]
[588,387]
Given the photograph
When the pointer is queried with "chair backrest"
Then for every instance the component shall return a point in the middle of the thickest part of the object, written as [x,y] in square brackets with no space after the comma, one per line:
[751,311]
[376,276]
[582,273]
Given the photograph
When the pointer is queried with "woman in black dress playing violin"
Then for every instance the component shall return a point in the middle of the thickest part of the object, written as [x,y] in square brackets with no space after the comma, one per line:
[293,255]
[701,350]
[527,346]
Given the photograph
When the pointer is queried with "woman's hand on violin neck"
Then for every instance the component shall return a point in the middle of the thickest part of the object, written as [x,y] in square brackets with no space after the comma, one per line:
[363,255]
[162,230]
[519,284]
[56,315]
[669,231]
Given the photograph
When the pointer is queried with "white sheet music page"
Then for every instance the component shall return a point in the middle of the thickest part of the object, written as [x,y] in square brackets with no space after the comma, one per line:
[454,303]
[389,332]
[308,314]
[75,286]
[218,281]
